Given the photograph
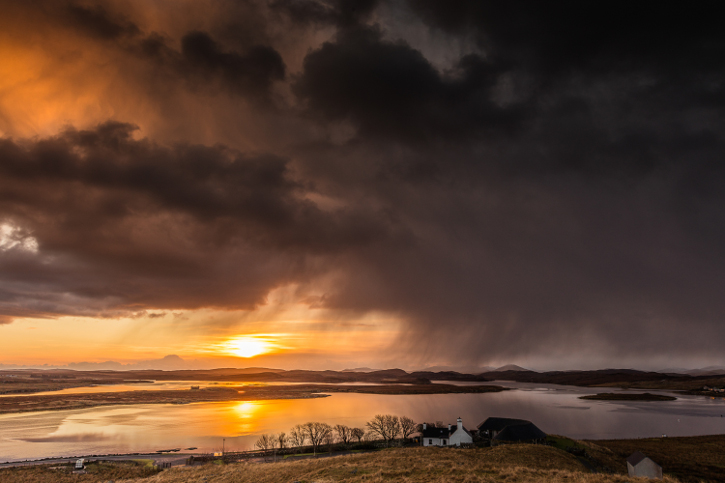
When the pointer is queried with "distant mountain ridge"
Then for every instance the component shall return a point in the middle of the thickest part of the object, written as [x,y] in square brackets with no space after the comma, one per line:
[173,367]
[511,367]
[584,378]
[705,371]
[461,369]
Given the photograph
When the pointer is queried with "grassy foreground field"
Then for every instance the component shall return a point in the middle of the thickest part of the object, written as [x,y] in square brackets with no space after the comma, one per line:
[690,459]
[95,472]
[511,464]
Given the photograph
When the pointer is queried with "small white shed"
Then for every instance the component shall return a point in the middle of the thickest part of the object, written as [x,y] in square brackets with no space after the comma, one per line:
[640,465]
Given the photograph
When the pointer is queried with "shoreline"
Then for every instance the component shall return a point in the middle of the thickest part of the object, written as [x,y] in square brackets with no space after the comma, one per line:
[60,402]
[614,396]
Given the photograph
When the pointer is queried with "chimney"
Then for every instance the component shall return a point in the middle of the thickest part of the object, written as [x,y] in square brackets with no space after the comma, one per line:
[449,428]
[424,426]
[460,423]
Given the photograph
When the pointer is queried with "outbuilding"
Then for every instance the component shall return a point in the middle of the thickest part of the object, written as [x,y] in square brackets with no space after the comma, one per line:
[520,433]
[640,465]
[492,426]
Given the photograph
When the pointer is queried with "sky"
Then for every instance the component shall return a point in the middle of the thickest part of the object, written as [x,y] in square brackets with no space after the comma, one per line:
[324,184]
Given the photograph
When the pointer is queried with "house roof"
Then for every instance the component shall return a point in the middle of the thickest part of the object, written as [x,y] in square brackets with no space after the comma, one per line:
[636,458]
[455,428]
[497,424]
[520,432]
[431,432]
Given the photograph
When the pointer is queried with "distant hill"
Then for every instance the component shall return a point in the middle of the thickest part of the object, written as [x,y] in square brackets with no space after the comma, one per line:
[359,369]
[583,378]
[511,367]
[389,373]
[460,369]
[447,376]
[608,377]
[705,371]
[673,370]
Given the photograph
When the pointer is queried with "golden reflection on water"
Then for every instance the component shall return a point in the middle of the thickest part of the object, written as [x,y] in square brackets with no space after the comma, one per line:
[244,416]
[246,408]
[151,427]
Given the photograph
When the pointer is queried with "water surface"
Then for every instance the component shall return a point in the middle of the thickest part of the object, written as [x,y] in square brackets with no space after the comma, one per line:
[176,385]
[140,428]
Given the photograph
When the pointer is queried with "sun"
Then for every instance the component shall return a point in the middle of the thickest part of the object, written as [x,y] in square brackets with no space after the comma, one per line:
[246,346]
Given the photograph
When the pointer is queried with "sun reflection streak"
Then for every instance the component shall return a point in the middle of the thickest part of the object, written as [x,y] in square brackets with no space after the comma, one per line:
[246,409]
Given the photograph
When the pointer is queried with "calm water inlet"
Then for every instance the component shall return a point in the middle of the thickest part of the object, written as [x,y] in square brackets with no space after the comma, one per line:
[140,428]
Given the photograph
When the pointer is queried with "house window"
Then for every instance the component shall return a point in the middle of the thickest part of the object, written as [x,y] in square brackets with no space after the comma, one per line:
[444,442]
[430,441]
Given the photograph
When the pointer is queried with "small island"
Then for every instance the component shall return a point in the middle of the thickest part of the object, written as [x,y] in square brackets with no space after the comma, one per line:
[615,396]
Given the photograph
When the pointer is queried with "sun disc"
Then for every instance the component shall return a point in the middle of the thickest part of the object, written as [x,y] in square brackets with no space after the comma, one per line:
[248,346]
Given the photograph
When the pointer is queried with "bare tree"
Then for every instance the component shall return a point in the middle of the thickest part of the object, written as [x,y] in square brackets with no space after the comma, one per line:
[297,436]
[282,440]
[386,426]
[265,443]
[344,433]
[439,424]
[407,426]
[329,438]
[357,433]
[317,433]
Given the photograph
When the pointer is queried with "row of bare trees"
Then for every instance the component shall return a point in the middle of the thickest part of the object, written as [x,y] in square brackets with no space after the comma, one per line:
[383,426]
[389,427]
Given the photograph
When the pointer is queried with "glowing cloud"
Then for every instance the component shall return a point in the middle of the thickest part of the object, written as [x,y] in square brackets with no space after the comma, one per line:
[13,237]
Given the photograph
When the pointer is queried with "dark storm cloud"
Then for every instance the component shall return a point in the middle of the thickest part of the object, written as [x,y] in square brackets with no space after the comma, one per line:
[250,73]
[98,22]
[391,90]
[342,13]
[511,179]
[595,36]
[206,65]
[593,222]
[115,217]
[244,65]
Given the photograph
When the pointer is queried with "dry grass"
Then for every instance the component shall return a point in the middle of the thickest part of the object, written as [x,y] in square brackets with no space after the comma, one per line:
[690,459]
[512,464]
[95,472]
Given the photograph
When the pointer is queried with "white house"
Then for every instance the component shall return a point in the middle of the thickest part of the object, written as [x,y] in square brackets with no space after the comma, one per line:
[432,436]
